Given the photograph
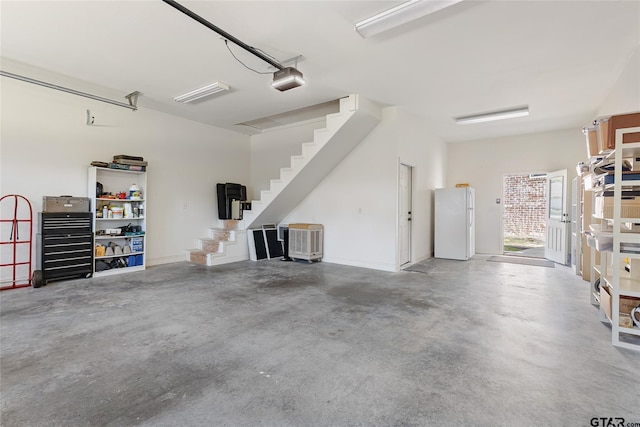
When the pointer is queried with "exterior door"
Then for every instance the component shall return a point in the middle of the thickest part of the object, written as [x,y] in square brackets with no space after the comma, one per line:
[404,215]
[556,248]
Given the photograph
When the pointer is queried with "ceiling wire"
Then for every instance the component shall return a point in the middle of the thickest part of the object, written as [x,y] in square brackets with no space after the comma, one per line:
[226,43]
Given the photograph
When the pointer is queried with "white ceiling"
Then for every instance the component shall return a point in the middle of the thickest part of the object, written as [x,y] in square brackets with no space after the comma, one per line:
[559,57]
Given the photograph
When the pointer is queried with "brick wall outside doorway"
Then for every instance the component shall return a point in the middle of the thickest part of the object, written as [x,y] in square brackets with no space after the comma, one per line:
[524,207]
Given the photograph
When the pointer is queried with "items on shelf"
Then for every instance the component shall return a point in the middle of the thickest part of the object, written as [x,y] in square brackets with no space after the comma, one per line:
[601,134]
[118,201]
[613,176]
[635,316]
[123,162]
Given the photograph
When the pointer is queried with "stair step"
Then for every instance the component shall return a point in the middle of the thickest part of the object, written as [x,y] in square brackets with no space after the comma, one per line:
[266,196]
[310,149]
[348,103]
[210,245]
[256,205]
[230,224]
[227,251]
[220,233]
[286,174]
[321,136]
[335,121]
[276,185]
[197,256]
[298,162]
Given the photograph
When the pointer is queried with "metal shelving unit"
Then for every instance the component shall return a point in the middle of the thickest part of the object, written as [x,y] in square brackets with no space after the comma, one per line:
[623,284]
[117,181]
[620,268]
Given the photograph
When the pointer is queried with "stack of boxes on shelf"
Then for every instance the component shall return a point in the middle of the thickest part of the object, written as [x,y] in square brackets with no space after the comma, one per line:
[124,162]
[613,231]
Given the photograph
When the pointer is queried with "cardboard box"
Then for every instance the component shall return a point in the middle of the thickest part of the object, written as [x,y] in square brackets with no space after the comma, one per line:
[607,130]
[626,303]
[603,207]
[605,300]
[592,141]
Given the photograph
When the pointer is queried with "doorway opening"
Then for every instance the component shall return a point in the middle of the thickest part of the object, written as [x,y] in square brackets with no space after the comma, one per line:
[524,214]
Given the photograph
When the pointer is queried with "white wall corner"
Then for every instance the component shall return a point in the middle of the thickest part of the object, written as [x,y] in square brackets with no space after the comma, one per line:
[624,96]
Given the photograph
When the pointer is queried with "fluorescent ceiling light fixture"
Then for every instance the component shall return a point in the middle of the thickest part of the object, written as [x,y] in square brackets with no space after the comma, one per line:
[287,78]
[399,15]
[202,92]
[496,115]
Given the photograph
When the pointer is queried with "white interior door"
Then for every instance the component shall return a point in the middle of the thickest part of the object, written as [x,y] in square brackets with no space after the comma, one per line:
[556,248]
[404,214]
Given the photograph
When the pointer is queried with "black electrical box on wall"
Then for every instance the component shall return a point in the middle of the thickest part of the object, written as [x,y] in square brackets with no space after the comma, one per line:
[230,195]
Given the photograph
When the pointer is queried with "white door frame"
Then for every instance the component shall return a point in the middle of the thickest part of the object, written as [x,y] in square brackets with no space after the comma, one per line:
[405,209]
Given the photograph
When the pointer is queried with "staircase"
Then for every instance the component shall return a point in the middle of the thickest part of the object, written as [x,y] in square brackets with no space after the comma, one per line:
[343,132]
[224,244]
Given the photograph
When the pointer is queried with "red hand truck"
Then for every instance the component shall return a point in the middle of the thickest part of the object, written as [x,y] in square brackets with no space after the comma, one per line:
[17,249]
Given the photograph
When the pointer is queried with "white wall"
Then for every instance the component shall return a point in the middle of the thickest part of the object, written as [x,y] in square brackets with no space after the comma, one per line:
[625,94]
[47,147]
[358,201]
[427,153]
[483,164]
[272,150]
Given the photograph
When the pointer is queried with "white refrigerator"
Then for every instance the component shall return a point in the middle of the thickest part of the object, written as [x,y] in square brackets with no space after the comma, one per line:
[455,223]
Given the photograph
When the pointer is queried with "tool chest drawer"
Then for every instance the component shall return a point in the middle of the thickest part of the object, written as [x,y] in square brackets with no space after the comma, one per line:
[66,223]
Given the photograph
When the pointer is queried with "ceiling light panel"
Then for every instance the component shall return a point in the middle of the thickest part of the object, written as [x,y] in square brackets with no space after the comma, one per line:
[399,15]
[495,115]
[216,87]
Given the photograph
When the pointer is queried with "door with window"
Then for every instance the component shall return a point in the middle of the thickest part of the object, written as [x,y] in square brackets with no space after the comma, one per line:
[556,247]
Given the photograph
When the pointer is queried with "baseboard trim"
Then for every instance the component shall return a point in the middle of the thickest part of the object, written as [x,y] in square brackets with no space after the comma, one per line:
[356,263]
[165,260]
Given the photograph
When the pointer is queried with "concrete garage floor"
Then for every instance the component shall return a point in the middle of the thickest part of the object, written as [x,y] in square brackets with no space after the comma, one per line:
[275,343]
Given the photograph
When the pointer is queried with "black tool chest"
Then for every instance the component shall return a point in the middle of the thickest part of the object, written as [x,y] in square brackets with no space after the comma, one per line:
[66,246]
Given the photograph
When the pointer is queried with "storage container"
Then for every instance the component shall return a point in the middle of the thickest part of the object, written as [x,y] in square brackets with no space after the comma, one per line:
[602,241]
[630,207]
[609,178]
[118,212]
[137,244]
[66,246]
[591,135]
[65,204]
[607,130]
[626,303]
